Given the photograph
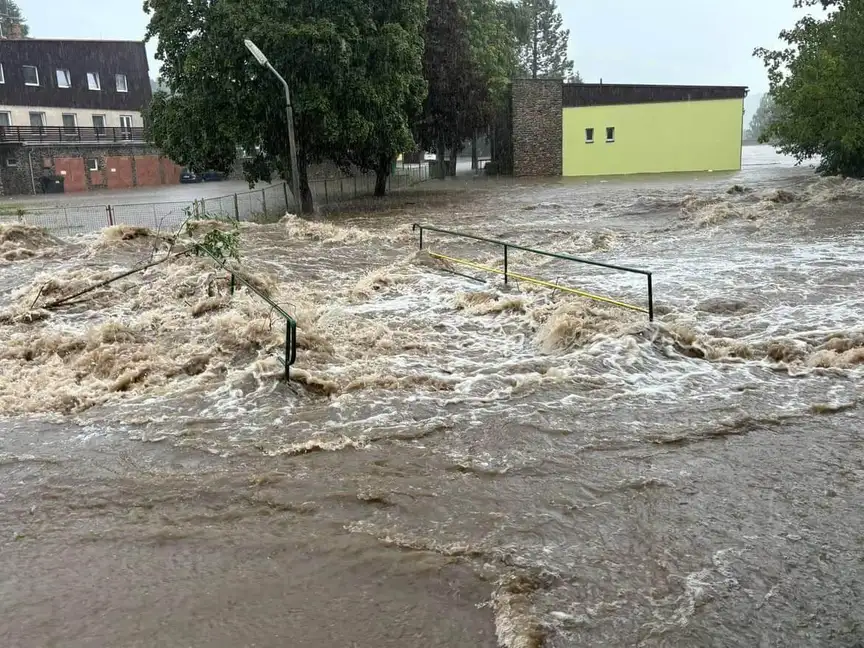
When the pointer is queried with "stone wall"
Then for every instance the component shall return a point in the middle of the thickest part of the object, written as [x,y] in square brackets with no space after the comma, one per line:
[537,127]
[84,167]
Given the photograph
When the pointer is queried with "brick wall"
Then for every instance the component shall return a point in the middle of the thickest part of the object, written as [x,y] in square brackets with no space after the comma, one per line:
[147,171]
[119,172]
[73,172]
[133,165]
[537,127]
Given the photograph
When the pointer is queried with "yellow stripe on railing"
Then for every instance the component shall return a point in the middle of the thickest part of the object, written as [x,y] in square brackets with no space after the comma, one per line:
[539,282]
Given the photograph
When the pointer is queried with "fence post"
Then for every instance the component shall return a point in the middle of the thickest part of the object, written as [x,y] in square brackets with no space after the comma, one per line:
[326,195]
[236,208]
[650,298]
[264,202]
[203,206]
[285,190]
[110,216]
[341,188]
[505,265]
[155,220]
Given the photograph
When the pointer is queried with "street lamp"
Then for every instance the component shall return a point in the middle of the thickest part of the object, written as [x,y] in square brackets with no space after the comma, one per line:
[292,144]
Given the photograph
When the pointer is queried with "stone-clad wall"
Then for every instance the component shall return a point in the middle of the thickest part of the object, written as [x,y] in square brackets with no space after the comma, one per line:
[537,127]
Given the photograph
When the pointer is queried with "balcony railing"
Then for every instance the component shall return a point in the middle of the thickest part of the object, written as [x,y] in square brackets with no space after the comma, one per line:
[71,135]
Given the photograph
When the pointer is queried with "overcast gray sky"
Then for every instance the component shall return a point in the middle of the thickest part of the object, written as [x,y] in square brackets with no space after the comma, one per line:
[622,41]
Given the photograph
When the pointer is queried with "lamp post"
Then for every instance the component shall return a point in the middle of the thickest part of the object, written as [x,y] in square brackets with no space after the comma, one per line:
[292,144]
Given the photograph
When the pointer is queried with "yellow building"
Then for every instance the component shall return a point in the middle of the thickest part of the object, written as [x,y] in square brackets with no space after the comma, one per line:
[612,129]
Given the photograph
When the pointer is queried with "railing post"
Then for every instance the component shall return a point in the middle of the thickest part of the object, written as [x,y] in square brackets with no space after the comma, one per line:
[506,279]
[650,297]
[232,283]
[110,215]
[326,195]
[237,208]
[421,237]
[285,190]
[264,203]
[287,350]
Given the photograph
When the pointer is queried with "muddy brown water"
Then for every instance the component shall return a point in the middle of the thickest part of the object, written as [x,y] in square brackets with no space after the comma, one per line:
[454,463]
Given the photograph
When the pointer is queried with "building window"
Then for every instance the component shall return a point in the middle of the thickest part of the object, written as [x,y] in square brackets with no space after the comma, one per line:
[31,75]
[70,122]
[37,120]
[589,135]
[610,134]
[122,86]
[93,81]
[5,119]
[2,75]
[64,79]
[99,124]
[92,164]
[11,162]
[126,127]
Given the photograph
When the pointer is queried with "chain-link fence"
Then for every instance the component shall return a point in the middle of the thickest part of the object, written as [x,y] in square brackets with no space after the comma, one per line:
[261,205]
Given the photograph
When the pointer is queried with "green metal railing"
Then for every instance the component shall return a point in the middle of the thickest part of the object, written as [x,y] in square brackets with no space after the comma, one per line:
[290,323]
[508,274]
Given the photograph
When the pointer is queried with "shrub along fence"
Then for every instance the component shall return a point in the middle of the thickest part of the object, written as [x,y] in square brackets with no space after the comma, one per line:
[267,204]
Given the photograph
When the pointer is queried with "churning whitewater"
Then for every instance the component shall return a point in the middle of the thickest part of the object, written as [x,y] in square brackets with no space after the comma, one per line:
[453,463]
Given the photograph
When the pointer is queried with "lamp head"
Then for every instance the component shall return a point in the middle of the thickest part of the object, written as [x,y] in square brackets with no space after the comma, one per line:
[257,53]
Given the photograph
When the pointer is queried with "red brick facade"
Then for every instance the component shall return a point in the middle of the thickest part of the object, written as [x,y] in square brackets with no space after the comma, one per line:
[72,170]
[87,168]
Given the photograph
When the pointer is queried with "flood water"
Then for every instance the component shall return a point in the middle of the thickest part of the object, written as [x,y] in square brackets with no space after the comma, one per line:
[454,463]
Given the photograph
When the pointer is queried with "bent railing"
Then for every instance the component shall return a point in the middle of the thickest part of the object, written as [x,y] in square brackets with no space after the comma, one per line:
[290,323]
[548,284]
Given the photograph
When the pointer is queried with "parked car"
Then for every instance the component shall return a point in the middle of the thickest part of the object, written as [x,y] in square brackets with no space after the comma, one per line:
[212,176]
[188,176]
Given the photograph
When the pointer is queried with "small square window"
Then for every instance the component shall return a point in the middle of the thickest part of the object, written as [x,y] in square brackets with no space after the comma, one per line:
[589,135]
[11,162]
[31,75]
[610,134]
[5,119]
[122,85]
[2,75]
[93,81]
[93,164]
[64,79]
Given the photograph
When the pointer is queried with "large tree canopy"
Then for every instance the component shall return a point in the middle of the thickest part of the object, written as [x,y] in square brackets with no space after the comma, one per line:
[544,41]
[353,67]
[10,15]
[818,87]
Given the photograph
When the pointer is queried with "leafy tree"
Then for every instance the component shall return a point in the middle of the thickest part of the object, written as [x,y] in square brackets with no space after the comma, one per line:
[386,85]
[544,41]
[762,118]
[456,89]
[818,88]
[333,54]
[10,15]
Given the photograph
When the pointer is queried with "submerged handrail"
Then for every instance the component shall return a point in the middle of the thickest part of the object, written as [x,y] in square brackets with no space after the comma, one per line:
[290,323]
[555,255]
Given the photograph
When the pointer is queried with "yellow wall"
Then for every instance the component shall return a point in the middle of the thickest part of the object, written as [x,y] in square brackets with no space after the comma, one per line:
[654,138]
